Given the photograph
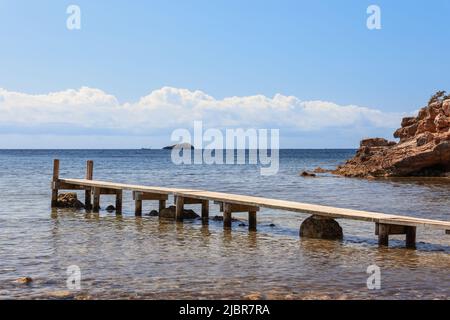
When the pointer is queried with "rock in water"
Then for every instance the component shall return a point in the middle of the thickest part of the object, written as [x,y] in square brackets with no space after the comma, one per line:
[24,280]
[153,213]
[320,170]
[69,200]
[423,148]
[307,174]
[169,213]
[321,228]
[110,208]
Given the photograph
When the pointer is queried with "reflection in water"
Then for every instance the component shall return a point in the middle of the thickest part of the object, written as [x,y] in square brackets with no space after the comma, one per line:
[149,258]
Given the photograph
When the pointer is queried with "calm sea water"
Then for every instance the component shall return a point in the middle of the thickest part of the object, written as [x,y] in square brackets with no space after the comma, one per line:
[144,258]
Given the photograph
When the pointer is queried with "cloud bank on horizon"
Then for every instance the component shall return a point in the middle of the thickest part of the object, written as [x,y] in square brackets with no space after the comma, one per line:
[87,111]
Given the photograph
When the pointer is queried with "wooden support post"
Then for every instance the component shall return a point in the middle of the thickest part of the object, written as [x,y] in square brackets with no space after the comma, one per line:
[252,220]
[205,211]
[88,192]
[227,210]
[138,207]
[179,203]
[383,234]
[54,183]
[410,237]
[384,230]
[162,205]
[96,206]
[119,194]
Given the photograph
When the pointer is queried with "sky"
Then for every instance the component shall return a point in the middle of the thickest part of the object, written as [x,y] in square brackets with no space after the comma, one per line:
[137,70]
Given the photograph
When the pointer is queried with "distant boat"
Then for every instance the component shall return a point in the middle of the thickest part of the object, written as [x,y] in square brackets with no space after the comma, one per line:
[146,148]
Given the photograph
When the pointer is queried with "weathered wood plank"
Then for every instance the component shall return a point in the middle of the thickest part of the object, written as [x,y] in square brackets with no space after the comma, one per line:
[284,205]
[392,229]
[104,191]
[66,186]
[138,195]
[193,201]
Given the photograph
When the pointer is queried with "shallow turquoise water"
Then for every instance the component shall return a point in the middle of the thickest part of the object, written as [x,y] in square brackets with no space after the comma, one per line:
[128,257]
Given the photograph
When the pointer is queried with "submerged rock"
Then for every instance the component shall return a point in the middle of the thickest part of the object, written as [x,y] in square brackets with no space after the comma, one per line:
[254,296]
[307,174]
[69,200]
[169,213]
[423,148]
[321,228]
[61,294]
[24,280]
[321,170]
[220,218]
[153,213]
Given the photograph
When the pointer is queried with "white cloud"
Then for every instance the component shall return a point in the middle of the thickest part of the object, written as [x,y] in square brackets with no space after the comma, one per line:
[87,110]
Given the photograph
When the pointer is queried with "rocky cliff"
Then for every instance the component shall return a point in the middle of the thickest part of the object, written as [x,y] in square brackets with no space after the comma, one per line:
[423,148]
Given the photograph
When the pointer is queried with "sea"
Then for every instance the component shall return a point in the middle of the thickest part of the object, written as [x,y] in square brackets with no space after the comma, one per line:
[128,257]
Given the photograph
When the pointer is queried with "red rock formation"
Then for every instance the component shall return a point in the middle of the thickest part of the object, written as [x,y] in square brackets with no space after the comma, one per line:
[423,148]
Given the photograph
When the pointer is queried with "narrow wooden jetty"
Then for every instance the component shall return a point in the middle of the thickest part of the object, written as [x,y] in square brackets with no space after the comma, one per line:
[385,224]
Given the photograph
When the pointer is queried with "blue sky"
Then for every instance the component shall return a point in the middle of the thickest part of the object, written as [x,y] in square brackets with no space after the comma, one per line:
[311,50]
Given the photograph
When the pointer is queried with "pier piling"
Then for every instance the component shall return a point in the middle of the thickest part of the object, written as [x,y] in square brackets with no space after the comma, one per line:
[252,220]
[55,181]
[179,203]
[162,205]
[96,205]
[119,195]
[227,215]
[88,191]
[205,211]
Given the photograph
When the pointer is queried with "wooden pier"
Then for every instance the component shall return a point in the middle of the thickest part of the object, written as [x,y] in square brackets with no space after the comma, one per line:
[385,224]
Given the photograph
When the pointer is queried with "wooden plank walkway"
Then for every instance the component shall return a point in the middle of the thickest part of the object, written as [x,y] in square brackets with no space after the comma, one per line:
[386,224]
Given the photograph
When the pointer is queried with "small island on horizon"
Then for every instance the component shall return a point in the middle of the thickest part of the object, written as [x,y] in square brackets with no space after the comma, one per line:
[183,145]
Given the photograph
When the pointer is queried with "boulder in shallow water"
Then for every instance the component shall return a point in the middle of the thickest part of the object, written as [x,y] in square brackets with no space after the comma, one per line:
[69,200]
[153,213]
[320,170]
[24,280]
[321,228]
[307,174]
[169,213]
[60,294]
[220,218]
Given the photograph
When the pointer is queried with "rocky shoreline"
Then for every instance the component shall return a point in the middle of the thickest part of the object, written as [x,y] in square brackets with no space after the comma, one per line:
[423,149]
